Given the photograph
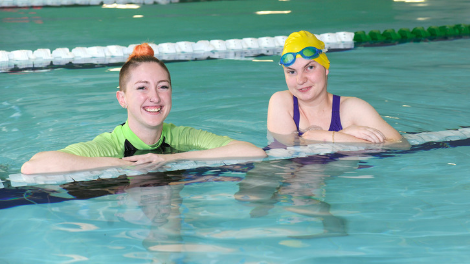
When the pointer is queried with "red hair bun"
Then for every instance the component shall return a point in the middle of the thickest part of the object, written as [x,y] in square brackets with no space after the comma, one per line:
[141,50]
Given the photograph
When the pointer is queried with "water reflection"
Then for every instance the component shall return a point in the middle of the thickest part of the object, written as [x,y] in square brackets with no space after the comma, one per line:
[298,186]
[167,215]
[155,207]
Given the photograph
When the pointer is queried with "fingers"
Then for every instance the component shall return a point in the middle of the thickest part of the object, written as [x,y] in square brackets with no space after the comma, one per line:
[374,135]
[146,158]
[149,166]
[145,163]
[366,133]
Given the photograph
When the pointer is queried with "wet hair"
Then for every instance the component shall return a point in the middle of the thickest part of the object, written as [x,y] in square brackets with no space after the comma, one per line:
[142,53]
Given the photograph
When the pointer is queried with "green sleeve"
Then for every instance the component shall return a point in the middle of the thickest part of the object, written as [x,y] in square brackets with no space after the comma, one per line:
[188,138]
[101,146]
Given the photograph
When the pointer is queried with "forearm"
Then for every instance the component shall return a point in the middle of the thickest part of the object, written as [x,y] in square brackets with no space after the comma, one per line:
[56,161]
[291,139]
[401,144]
[331,136]
[234,149]
[339,137]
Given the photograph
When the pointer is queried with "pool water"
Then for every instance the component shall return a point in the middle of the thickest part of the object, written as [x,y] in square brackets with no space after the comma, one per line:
[348,207]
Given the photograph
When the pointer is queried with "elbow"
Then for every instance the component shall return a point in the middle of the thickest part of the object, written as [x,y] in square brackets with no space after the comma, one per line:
[259,153]
[262,153]
[399,144]
[32,165]
[27,168]
[405,144]
[256,152]
[248,149]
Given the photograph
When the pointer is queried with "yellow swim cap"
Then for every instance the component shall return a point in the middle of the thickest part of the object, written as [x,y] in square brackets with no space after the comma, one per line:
[299,40]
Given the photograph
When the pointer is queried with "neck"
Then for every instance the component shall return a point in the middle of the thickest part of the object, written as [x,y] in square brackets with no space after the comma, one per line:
[317,112]
[149,135]
[319,102]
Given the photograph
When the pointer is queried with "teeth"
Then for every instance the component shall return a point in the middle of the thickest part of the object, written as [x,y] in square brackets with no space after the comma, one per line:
[152,109]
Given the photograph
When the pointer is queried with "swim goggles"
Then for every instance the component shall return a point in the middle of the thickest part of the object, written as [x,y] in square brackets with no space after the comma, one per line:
[307,53]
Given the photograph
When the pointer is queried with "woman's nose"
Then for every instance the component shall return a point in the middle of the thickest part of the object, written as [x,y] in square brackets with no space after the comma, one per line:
[154,96]
[301,78]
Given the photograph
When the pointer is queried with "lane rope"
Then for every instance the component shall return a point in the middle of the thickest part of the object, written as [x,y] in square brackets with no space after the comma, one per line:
[96,56]
[180,51]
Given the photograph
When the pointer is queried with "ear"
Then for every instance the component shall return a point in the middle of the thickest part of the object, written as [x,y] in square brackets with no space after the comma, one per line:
[327,71]
[121,97]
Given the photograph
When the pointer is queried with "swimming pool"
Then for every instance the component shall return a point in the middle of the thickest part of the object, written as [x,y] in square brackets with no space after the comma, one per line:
[376,207]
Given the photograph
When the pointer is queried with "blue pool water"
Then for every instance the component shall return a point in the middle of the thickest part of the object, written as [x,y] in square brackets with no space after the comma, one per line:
[348,207]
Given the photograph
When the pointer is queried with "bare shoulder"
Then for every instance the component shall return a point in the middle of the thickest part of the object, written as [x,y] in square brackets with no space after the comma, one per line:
[281,102]
[354,111]
[280,113]
[281,98]
[353,106]
[353,102]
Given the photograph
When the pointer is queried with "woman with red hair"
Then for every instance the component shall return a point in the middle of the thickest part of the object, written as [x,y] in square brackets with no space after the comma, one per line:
[145,91]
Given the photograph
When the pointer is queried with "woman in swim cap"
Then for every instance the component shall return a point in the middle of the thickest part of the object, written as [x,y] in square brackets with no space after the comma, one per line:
[145,91]
[308,109]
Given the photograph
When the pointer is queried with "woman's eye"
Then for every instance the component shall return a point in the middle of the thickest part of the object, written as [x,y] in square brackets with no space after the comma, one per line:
[164,87]
[141,88]
[310,67]
[290,72]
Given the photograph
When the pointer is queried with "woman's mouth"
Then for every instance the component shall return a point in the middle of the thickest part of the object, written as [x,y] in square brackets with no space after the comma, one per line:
[305,89]
[152,109]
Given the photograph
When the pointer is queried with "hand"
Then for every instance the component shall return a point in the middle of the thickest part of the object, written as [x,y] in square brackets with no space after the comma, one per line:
[146,158]
[366,133]
[149,160]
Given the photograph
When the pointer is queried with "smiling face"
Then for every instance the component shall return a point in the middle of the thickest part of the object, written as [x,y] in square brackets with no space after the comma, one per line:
[306,78]
[147,97]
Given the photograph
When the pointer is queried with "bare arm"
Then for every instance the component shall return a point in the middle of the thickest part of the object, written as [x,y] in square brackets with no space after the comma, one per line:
[371,137]
[234,149]
[56,161]
[358,113]
[280,114]
[281,124]
[330,136]
[361,122]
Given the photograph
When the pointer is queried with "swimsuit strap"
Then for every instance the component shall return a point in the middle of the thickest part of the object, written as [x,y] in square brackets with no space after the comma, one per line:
[296,116]
[335,124]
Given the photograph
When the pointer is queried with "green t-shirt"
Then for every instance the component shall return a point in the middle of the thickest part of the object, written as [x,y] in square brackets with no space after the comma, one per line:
[116,143]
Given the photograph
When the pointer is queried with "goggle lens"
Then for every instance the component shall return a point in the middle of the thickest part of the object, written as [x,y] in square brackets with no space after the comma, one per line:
[307,53]
[288,59]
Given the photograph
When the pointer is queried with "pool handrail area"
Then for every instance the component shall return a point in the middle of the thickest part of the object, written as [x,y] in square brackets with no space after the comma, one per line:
[415,139]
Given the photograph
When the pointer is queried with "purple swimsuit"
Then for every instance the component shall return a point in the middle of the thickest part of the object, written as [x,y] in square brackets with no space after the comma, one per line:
[335,124]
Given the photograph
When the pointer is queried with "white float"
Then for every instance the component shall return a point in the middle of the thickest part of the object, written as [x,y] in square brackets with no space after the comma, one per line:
[182,50]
